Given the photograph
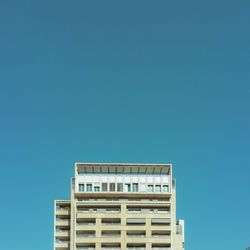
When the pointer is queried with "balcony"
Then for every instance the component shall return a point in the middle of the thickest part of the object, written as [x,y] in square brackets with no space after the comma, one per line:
[92,240]
[136,234]
[107,214]
[65,223]
[111,246]
[101,211]
[161,248]
[111,234]
[136,248]
[62,245]
[111,221]
[85,234]
[148,210]
[86,247]
[156,227]
[62,234]
[165,234]
[149,215]
[63,212]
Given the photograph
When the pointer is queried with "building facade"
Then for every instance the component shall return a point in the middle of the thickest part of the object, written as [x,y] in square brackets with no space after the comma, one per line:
[118,207]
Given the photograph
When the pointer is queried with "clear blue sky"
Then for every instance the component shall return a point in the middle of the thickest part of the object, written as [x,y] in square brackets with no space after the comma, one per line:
[126,81]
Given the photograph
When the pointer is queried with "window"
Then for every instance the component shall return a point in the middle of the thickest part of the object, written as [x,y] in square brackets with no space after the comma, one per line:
[162,221]
[163,210]
[150,188]
[86,247]
[61,240]
[85,221]
[111,221]
[160,233]
[135,187]
[111,187]
[89,187]
[134,210]
[104,187]
[127,187]
[165,188]
[119,187]
[87,234]
[62,229]
[158,188]
[111,246]
[160,246]
[136,234]
[136,246]
[136,221]
[111,233]
[97,189]
[81,187]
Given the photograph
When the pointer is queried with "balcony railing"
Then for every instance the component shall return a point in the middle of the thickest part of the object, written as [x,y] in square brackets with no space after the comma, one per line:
[85,235]
[136,235]
[161,236]
[59,208]
[147,211]
[99,211]
[111,248]
[85,248]
[136,248]
[161,248]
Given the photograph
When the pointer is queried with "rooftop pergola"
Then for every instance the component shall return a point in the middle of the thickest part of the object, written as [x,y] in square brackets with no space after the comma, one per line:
[123,168]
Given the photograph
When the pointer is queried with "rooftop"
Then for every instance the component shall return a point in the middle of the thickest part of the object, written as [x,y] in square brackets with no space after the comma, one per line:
[123,168]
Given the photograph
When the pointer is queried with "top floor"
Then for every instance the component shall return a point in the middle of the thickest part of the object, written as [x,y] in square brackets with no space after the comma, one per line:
[123,178]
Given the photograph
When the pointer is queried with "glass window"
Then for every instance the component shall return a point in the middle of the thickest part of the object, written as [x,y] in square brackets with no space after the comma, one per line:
[89,188]
[136,221]
[135,187]
[127,188]
[97,189]
[158,188]
[150,188]
[111,187]
[104,187]
[119,187]
[165,188]
[81,187]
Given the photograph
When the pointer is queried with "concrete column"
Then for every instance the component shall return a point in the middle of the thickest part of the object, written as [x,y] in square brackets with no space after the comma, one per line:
[148,227]
[98,227]
[98,246]
[123,225]
[148,246]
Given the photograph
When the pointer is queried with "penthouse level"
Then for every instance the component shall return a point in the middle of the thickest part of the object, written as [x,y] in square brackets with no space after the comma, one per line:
[123,178]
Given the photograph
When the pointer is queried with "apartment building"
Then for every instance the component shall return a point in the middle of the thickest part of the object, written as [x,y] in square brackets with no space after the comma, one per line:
[118,207]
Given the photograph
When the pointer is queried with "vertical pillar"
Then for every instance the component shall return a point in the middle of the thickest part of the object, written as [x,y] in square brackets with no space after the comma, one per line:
[98,226]
[148,227]
[98,246]
[123,226]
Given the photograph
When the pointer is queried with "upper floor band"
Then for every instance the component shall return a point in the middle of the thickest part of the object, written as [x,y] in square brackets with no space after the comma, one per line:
[123,178]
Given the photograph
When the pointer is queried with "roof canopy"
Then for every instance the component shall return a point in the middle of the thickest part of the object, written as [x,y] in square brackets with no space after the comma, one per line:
[123,168]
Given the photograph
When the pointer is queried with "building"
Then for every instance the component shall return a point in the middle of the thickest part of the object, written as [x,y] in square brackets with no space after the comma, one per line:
[119,206]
